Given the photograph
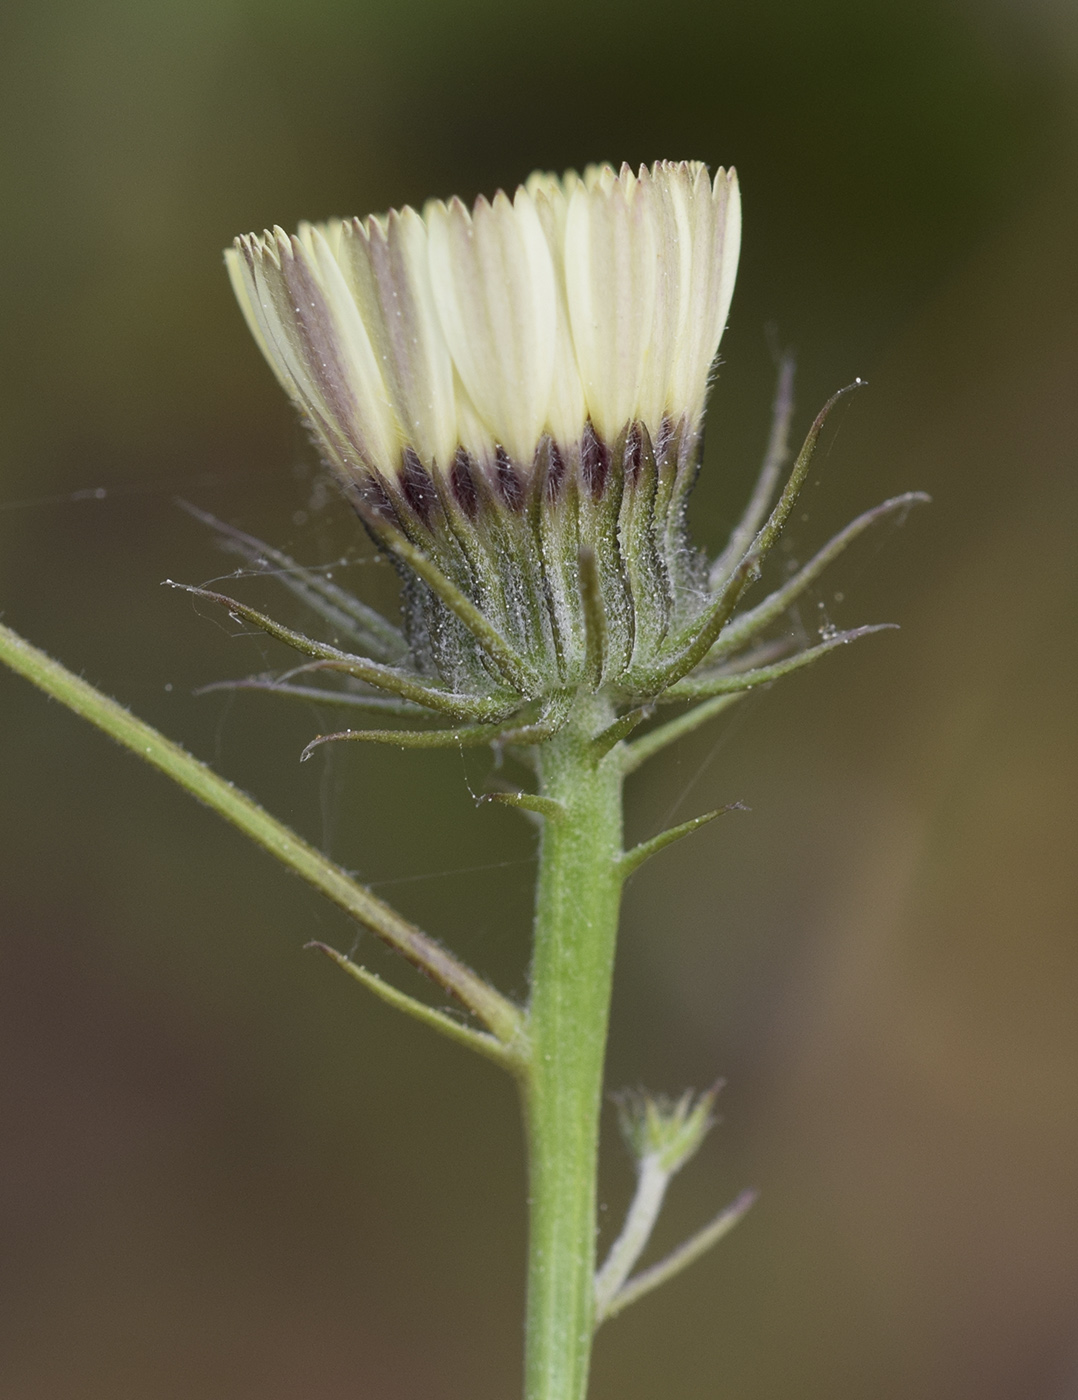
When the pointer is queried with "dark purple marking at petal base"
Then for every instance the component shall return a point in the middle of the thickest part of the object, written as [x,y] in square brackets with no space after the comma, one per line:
[555,472]
[663,438]
[594,461]
[509,482]
[376,497]
[417,485]
[462,484]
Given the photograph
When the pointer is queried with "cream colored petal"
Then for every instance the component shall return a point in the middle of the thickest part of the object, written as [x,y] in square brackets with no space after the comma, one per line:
[542,182]
[474,435]
[600,176]
[243,285]
[493,285]
[546,182]
[715,213]
[275,305]
[727,200]
[692,361]
[267,304]
[669,188]
[386,266]
[328,352]
[602,296]
[568,409]
[272,303]
[332,230]
[610,274]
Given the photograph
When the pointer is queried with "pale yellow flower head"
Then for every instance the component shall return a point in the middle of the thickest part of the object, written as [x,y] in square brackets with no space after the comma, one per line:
[512,397]
[579,306]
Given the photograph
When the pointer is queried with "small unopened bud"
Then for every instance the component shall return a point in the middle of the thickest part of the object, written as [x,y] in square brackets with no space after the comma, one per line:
[667,1131]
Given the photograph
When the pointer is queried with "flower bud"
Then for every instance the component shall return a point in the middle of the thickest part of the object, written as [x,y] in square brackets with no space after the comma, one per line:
[669,1130]
[510,385]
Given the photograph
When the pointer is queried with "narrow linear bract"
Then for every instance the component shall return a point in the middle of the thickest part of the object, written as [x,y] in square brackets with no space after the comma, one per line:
[512,399]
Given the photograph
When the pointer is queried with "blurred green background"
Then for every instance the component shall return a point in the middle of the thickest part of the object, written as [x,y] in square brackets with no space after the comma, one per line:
[225,1173]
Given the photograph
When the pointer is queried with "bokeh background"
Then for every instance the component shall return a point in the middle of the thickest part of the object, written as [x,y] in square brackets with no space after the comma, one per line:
[225,1172]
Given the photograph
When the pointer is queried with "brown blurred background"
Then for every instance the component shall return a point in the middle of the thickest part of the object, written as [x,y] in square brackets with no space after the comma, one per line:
[225,1173]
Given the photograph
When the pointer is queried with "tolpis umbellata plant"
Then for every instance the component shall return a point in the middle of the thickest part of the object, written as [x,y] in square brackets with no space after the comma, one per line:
[512,400]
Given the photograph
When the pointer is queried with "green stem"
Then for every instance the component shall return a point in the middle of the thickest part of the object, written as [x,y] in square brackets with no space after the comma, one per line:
[499,1014]
[577,902]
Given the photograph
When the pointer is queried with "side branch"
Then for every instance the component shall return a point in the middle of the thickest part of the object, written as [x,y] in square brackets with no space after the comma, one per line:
[496,1012]
[681,1258]
[652,1181]
[634,859]
[533,803]
[655,740]
[508,1056]
[613,734]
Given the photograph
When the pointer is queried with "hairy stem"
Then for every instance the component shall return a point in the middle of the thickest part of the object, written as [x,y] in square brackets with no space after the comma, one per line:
[577,903]
[659,738]
[496,1012]
[686,1254]
[652,1180]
